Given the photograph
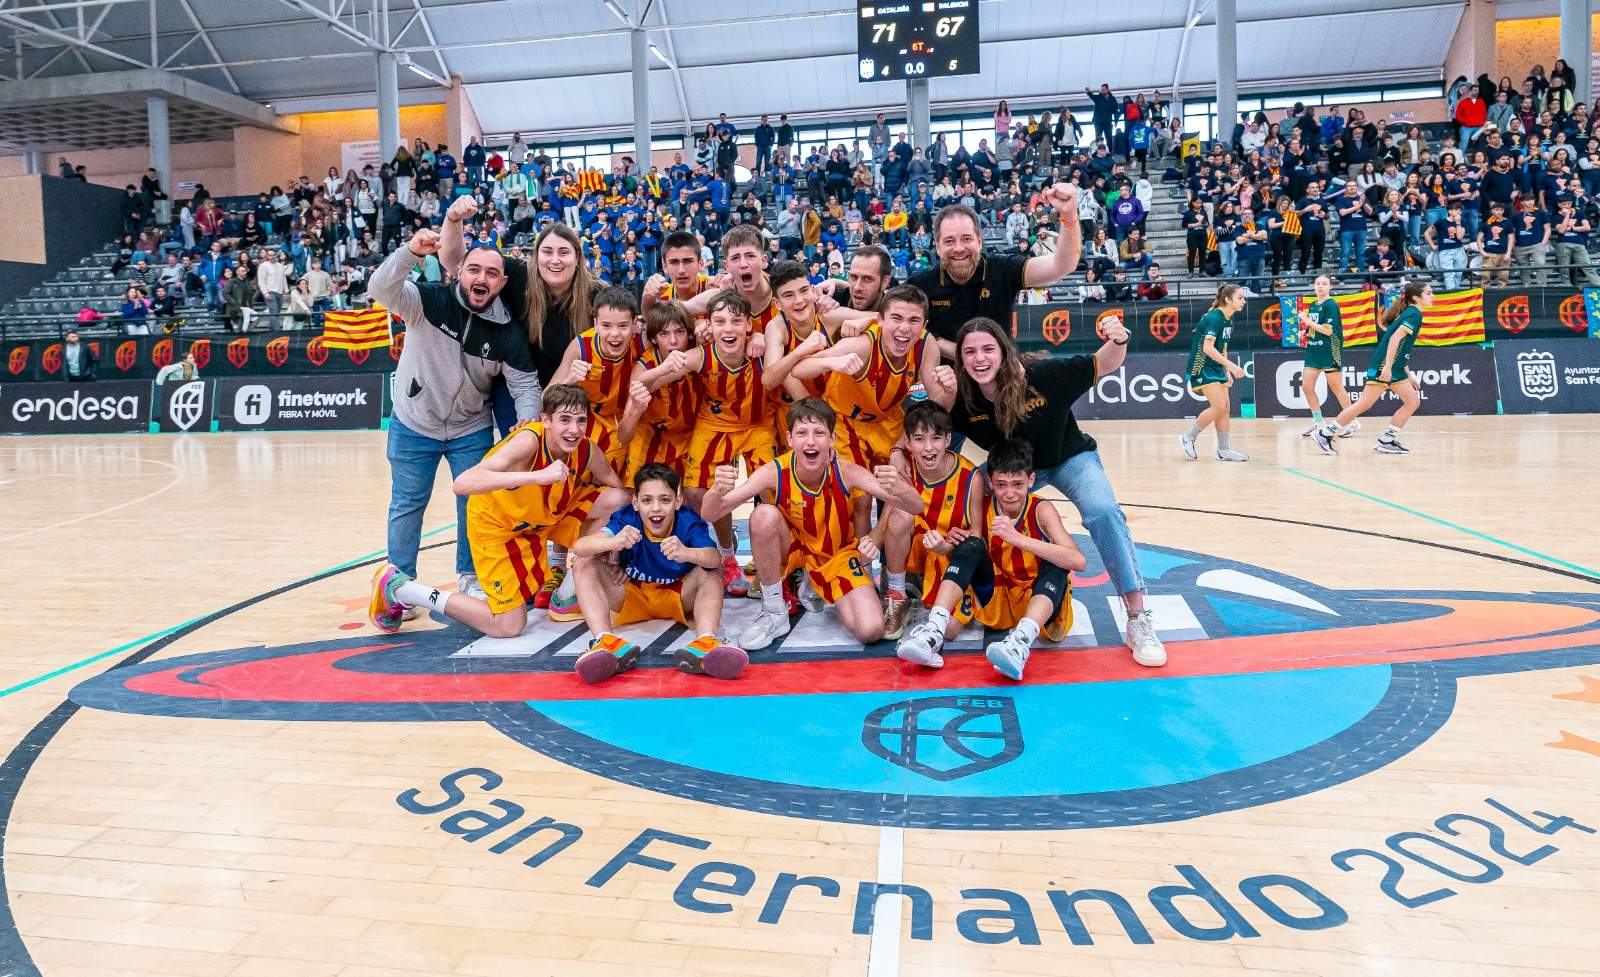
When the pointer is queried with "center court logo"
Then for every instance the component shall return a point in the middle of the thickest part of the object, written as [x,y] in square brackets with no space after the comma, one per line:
[1536,375]
[1276,687]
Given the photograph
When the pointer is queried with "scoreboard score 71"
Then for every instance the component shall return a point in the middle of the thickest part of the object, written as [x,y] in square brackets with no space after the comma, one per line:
[915,39]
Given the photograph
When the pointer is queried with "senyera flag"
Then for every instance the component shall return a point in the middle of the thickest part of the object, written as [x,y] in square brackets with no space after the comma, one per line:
[1454,317]
[356,329]
[1358,314]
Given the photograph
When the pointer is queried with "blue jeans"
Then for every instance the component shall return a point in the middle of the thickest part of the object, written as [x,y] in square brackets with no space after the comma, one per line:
[1082,479]
[1351,246]
[1226,251]
[413,463]
[503,406]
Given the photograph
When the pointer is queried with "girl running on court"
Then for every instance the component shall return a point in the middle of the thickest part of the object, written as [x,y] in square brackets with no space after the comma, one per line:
[1211,373]
[1324,352]
[1401,323]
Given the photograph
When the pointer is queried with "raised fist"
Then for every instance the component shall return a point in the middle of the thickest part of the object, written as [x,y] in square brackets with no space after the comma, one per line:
[550,474]
[626,536]
[464,208]
[578,371]
[424,242]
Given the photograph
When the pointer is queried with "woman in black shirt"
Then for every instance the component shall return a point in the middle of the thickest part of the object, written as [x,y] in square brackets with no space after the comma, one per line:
[994,394]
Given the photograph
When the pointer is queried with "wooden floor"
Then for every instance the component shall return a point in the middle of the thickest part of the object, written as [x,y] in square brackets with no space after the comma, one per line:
[223,821]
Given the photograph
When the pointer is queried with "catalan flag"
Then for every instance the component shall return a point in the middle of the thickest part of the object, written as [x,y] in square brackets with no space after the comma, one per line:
[356,329]
[1456,317]
[592,181]
[1358,312]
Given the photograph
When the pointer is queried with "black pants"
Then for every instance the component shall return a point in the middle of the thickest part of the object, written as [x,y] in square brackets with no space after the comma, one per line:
[970,566]
[1194,257]
[1283,248]
[1312,241]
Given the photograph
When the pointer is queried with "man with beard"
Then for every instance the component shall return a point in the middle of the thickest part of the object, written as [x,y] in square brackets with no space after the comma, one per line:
[967,284]
[871,275]
[459,337]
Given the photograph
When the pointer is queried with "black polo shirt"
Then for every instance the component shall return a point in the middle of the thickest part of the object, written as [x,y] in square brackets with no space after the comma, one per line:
[991,293]
[1047,424]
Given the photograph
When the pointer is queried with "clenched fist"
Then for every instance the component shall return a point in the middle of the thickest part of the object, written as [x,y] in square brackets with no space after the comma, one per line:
[464,208]
[424,242]
[550,474]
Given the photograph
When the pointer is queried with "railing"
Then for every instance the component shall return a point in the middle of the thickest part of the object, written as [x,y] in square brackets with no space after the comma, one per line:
[20,327]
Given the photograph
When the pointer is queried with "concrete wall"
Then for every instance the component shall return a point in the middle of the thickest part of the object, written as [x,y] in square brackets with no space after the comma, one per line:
[50,223]
[461,119]
[1521,44]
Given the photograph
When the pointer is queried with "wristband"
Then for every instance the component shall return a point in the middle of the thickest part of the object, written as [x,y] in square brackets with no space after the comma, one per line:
[1122,343]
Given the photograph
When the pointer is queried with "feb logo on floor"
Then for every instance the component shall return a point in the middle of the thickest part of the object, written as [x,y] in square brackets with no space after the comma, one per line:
[1275,688]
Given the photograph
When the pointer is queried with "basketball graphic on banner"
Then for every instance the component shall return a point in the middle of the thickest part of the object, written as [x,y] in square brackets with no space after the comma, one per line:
[50,361]
[278,351]
[200,349]
[1573,315]
[1057,326]
[127,354]
[1512,313]
[1164,323]
[358,356]
[239,352]
[18,360]
[397,345]
[316,352]
[1100,320]
[1272,321]
[161,353]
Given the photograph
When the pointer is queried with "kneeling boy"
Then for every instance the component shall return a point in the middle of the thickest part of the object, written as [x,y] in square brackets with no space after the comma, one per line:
[809,527]
[545,481]
[671,571]
[1019,580]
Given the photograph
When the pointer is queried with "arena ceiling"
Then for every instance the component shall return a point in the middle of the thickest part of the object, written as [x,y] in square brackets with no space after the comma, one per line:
[563,65]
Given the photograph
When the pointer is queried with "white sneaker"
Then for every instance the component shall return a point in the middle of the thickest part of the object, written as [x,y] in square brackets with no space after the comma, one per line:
[1142,639]
[1228,454]
[1009,655]
[764,630]
[1391,446]
[1345,432]
[468,584]
[1323,442]
[810,601]
[922,645]
[1187,444]
[1308,432]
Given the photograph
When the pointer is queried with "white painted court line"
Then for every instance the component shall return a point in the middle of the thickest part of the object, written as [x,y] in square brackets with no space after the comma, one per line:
[883,959]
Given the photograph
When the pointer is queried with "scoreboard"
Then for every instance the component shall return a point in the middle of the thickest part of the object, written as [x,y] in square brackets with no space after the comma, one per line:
[908,40]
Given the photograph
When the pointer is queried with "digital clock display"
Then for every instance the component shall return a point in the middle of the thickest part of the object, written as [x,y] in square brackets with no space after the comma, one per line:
[913,39]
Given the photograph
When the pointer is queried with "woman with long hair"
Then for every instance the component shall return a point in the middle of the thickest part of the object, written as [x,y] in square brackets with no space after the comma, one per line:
[1323,327]
[1211,373]
[993,395]
[1401,323]
[1002,118]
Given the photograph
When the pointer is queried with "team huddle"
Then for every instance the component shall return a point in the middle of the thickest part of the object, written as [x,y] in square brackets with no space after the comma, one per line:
[616,505]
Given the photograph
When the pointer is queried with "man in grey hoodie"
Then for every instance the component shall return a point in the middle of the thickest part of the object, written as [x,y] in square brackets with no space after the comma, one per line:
[458,338]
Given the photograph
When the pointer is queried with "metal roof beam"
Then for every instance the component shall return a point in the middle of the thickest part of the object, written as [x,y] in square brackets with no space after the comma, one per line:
[13,18]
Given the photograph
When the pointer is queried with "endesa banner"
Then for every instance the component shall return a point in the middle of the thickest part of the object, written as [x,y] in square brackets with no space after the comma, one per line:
[335,402]
[1452,380]
[112,407]
[1557,377]
[1150,386]
[219,355]
[1167,326]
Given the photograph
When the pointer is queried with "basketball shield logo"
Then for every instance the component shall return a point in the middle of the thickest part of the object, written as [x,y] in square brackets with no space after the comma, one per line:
[945,737]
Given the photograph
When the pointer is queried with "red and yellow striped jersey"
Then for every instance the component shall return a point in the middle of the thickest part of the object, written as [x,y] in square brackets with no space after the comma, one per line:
[760,317]
[672,407]
[1014,567]
[608,380]
[879,390]
[944,502]
[817,384]
[532,507]
[670,293]
[819,518]
[730,400]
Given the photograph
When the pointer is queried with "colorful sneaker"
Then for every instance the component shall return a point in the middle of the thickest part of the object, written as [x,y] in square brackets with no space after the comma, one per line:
[565,610]
[542,598]
[1009,655]
[734,582]
[896,608]
[706,655]
[607,655]
[922,646]
[1187,444]
[384,610]
[764,630]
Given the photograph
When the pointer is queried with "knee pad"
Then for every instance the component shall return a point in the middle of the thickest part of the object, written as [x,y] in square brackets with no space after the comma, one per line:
[1052,583]
[968,562]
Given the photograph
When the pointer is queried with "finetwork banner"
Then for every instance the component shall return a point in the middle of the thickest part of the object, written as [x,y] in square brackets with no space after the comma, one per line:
[336,402]
[1452,380]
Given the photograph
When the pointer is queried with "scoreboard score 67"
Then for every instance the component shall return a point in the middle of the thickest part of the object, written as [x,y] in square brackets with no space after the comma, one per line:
[915,39]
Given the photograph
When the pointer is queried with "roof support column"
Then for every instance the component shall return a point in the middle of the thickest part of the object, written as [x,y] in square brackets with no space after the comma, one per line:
[156,122]
[640,49]
[1575,44]
[917,114]
[389,105]
[33,163]
[1227,69]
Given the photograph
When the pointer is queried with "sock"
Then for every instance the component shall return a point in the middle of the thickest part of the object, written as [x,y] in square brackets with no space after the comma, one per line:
[939,618]
[1316,415]
[558,558]
[568,591]
[772,598]
[895,583]
[1028,628]
[1194,431]
[1390,433]
[413,594]
[726,551]
[1223,439]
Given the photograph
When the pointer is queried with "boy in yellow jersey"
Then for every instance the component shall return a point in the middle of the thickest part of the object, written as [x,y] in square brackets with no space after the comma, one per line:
[808,527]
[657,427]
[734,418]
[952,510]
[790,336]
[870,376]
[1015,576]
[683,274]
[670,571]
[603,360]
[744,258]
[545,481]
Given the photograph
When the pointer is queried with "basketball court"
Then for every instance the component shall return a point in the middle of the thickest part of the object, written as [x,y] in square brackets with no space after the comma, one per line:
[1375,748]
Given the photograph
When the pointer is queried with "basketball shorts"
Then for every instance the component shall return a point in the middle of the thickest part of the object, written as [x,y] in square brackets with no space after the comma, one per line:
[651,602]
[710,449]
[512,565]
[833,578]
[652,445]
[866,443]
[1006,605]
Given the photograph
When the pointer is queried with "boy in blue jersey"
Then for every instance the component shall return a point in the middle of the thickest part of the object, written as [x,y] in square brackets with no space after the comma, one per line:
[671,569]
